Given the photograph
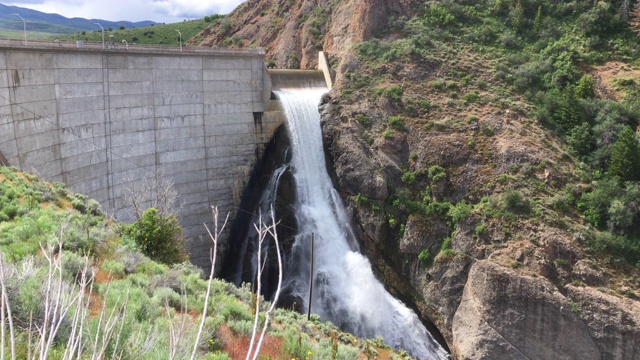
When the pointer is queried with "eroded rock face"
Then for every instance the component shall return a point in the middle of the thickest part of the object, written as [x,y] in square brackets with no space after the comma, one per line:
[292,32]
[613,322]
[505,315]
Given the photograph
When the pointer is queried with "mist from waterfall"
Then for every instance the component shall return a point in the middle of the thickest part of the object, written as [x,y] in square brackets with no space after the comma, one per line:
[345,290]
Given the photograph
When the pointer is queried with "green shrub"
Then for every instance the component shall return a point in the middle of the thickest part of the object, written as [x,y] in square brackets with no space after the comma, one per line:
[113,267]
[486,130]
[388,134]
[586,87]
[625,156]
[234,310]
[515,202]
[625,247]
[297,345]
[438,15]
[79,205]
[363,119]
[437,173]
[10,211]
[472,97]
[409,178]
[446,244]
[159,237]
[438,84]
[152,268]
[73,265]
[459,212]
[397,122]
[94,208]
[424,256]
[346,352]
[394,94]
[480,229]
[218,355]
[164,295]
[595,205]
[241,327]
[515,264]
[361,199]
[562,201]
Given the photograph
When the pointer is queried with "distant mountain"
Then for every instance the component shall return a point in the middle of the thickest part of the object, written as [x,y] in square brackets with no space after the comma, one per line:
[56,24]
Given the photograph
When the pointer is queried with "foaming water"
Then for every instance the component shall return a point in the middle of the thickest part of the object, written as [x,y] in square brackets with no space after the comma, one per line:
[345,290]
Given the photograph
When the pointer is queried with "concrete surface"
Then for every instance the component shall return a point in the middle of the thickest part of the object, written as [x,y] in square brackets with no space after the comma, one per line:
[96,119]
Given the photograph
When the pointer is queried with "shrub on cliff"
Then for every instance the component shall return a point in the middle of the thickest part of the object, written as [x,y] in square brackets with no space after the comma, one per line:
[625,156]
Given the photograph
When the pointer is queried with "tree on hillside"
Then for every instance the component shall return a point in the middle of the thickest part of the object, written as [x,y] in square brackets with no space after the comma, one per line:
[159,237]
[625,156]
[156,229]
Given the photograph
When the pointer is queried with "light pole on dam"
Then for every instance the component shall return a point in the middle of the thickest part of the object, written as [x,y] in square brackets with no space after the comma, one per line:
[24,27]
[102,33]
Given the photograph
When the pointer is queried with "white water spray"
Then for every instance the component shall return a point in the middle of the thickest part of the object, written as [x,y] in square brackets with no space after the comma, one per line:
[345,290]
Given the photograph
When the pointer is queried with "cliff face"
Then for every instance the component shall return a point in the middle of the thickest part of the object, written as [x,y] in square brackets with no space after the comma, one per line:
[528,294]
[514,291]
[515,280]
[292,32]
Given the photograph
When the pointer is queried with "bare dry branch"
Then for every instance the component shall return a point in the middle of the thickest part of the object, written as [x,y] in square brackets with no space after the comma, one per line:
[264,231]
[214,237]
[153,190]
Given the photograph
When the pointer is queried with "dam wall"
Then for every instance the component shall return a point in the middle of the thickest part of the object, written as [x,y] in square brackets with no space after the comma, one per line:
[103,120]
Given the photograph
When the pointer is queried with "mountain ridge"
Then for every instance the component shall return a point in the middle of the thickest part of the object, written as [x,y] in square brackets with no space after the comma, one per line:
[56,23]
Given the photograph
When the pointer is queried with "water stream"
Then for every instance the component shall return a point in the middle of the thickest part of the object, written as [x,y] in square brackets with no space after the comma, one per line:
[346,291]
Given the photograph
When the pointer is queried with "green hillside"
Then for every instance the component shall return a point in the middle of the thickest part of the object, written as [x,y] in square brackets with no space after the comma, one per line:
[153,35]
[75,282]
[41,22]
[533,59]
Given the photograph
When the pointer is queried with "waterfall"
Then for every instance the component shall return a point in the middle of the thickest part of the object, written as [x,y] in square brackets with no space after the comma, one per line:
[346,291]
[267,200]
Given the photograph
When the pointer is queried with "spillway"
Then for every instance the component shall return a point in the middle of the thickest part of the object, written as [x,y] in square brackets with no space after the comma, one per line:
[345,291]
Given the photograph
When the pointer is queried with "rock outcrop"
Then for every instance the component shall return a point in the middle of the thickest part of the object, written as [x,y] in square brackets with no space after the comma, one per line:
[507,315]
[292,32]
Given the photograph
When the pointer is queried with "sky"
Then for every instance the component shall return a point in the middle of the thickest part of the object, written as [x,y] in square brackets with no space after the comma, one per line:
[162,11]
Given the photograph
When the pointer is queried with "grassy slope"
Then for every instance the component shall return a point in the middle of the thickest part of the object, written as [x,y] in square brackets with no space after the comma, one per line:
[34,213]
[152,35]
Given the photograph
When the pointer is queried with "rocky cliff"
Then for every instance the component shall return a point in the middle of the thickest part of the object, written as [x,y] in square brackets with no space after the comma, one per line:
[454,187]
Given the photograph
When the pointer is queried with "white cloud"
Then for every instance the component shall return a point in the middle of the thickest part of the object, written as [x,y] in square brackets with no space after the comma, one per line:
[194,8]
[168,11]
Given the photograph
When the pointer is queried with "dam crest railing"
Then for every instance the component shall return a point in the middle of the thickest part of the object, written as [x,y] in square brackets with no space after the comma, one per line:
[119,47]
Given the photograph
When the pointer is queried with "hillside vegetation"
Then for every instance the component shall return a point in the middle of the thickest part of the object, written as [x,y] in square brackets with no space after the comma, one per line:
[77,285]
[166,34]
[532,59]
[40,22]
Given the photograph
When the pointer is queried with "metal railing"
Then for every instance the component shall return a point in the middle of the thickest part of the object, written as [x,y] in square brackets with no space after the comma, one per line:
[124,47]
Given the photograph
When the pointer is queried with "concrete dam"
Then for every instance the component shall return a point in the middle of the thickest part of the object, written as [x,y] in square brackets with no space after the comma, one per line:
[102,119]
